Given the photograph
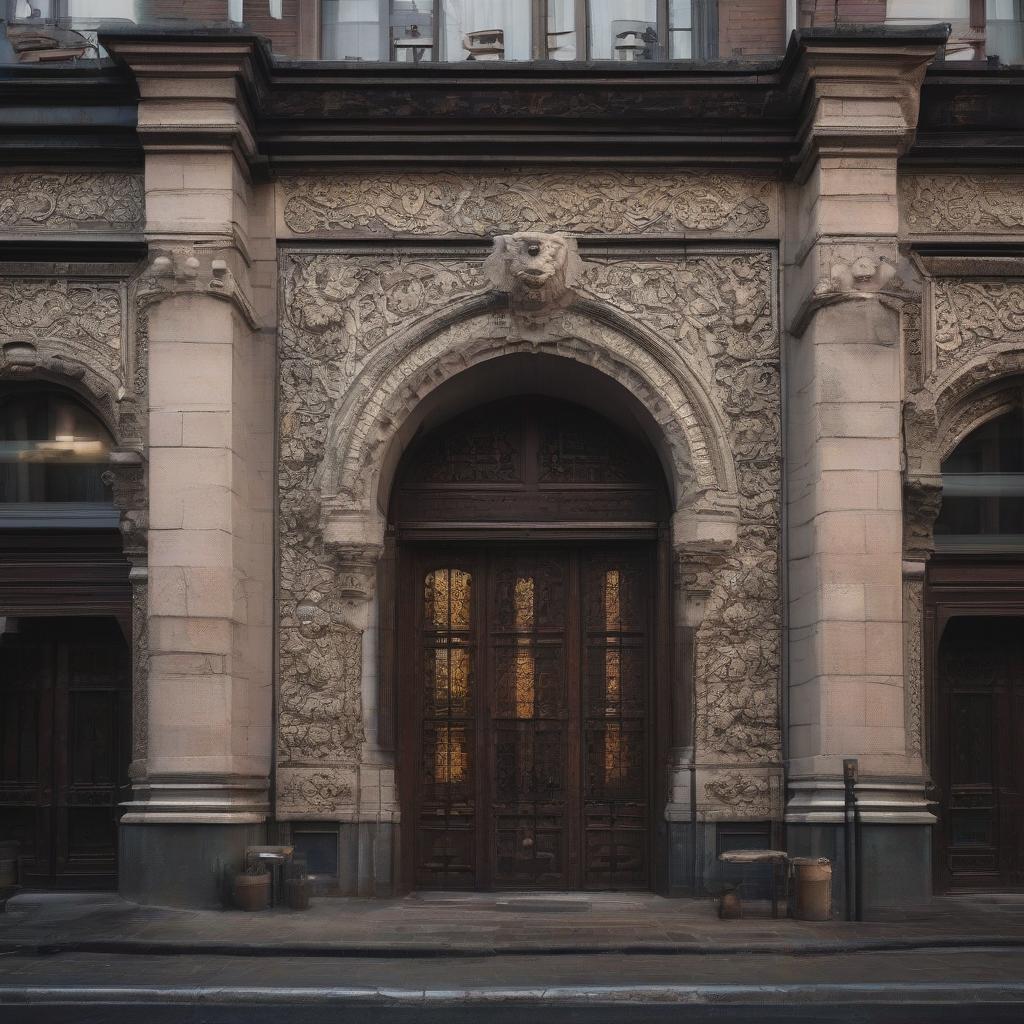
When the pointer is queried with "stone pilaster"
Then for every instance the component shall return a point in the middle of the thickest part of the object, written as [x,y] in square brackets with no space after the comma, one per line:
[207,604]
[846,292]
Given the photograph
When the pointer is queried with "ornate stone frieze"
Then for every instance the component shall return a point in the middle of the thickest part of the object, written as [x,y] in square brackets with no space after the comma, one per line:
[45,201]
[971,315]
[480,204]
[735,794]
[319,703]
[315,792]
[66,329]
[967,203]
[342,307]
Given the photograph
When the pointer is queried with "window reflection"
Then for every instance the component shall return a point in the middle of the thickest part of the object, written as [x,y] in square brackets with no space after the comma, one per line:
[412,30]
[486,30]
[51,450]
[624,30]
[351,30]
[560,41]
[983,487]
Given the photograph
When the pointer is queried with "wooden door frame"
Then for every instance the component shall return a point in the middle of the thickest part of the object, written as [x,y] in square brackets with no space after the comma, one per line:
[958,587]
[410,545]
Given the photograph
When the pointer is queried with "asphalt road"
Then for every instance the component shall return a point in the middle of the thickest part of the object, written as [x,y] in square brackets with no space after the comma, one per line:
[916,987]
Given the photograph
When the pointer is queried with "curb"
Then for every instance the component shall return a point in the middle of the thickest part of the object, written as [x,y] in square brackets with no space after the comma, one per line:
[186,947]
[906,994]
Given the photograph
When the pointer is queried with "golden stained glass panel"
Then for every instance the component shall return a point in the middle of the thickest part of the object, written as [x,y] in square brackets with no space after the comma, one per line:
[450,755]
[446,596]
[526,667]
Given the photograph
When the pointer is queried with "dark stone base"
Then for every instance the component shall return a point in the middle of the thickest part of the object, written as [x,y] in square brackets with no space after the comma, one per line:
[896,863]
[183,865]
[368,865]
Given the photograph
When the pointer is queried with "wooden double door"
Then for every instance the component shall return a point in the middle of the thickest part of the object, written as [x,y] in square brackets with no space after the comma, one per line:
[527,716]
[65,691]
[979,754]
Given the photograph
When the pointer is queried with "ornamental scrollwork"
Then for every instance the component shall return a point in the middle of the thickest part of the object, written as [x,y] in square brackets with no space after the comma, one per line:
[981,204]
[972,314]
[315,791]
[736,794]
[76,201]
[485,204]
[715,316]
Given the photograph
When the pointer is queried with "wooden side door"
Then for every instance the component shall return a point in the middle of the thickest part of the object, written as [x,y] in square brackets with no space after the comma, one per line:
[27,679]
[91,748]
[979,754]
[65,688]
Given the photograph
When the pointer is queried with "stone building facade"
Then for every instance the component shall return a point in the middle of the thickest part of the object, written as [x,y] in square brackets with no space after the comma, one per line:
[797,287]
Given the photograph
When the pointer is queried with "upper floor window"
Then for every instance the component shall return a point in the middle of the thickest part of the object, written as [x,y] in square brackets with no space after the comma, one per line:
[983,488]
[410,31]
[52,449]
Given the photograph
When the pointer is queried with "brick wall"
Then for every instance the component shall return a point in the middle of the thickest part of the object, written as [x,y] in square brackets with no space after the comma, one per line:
[282,33]
[751,28]
[822,13]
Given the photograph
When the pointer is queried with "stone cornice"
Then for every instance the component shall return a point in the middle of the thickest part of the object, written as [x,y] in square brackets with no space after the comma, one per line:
[197,90]
[860,93]
[306,114]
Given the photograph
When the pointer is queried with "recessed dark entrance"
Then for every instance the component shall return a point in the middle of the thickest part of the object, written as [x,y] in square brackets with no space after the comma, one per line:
[980,766]
[65,691]
[530,574]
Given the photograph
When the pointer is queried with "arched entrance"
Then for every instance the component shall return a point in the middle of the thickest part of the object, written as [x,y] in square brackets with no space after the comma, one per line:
[531,553]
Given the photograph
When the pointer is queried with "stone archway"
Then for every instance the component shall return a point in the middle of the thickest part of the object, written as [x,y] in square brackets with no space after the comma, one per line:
[367,345]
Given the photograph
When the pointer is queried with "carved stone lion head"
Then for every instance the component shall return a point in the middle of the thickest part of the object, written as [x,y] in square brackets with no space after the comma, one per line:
[537,271]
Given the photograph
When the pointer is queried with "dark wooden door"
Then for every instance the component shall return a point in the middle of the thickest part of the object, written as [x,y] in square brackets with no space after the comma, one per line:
[64,718]
[527,718]
[980,754]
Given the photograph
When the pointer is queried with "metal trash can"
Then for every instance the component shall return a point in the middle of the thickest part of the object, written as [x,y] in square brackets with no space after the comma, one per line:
[812,888]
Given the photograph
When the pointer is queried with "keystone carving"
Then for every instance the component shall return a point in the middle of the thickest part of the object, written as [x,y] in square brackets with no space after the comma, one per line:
[538,272]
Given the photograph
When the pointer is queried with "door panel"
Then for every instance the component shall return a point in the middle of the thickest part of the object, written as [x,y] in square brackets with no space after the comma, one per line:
[555,710]
[981,682]
[64,696]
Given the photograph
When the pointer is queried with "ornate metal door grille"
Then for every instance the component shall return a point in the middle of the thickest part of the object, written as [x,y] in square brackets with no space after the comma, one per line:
[531,715]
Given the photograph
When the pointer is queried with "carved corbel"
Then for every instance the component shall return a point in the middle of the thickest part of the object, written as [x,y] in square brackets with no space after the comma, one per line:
[865,278]
[189,271]
[356,567]
[126,477]
[922,499]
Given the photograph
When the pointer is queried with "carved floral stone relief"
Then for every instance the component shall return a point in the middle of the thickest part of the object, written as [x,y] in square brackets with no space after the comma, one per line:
[316,792]
[974,204]
[973,314]
[481,204]
[71,201]
[716,311]
[70,329]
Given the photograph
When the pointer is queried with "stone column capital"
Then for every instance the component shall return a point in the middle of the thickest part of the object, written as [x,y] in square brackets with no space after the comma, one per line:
[196,90]
[861,91]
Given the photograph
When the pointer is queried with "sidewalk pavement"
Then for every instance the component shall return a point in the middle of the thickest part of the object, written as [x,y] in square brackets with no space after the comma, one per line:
[566,958]
[491,924]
